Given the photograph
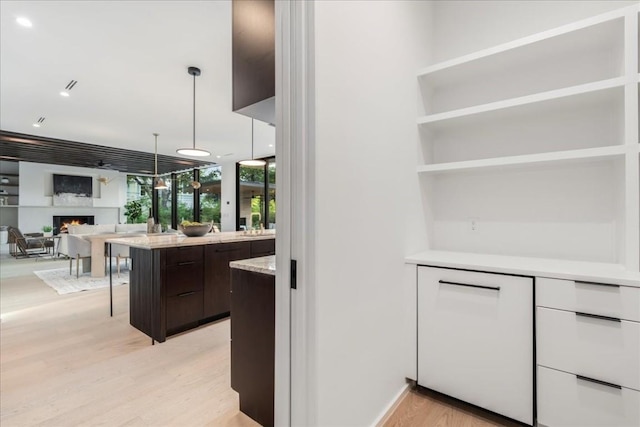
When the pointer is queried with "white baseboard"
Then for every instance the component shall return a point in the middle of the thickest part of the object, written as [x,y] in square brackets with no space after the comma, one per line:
[393,404]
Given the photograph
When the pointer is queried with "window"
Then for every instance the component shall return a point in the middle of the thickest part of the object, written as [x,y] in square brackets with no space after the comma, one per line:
[139,189]
[210,195]
[165,203]
[256,196]
[184,196]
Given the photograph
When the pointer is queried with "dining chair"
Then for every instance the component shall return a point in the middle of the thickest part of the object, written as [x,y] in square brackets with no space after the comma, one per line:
[78,248]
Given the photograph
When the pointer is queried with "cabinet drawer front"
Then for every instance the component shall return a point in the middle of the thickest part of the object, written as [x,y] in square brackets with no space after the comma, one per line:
[594,347]
[184,278]
[564,400]
[475,338]
[263,248]
[184,254]
[615,301]
[183,311]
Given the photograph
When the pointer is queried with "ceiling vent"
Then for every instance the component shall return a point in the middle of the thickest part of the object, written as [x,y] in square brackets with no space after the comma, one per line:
[71,84]
[40,120]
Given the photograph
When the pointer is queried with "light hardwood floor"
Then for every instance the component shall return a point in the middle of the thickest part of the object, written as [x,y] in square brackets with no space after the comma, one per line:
[425,409]
[65,362]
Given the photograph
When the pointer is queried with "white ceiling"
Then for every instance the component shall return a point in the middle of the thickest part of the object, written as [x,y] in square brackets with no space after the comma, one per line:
[130,59]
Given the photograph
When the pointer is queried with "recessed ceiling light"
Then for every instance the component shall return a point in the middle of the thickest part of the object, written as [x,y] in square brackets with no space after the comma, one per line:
[218,157]
[270,145]
[64,93]
[24,21]
[36,125]
[38,122]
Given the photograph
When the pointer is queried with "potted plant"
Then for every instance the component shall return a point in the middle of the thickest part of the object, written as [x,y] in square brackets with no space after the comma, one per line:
[133,211]
[47,230]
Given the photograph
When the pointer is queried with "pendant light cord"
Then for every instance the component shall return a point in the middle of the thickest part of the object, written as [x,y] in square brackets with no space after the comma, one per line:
[156,156]
[252,139]
[194,111]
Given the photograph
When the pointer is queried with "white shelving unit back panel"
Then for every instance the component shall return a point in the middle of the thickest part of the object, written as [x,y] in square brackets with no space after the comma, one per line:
[587,55]
[573,212]
[589,120]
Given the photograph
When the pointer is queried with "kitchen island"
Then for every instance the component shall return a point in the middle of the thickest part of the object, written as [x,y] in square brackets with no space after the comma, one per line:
[178,282]
[253,336]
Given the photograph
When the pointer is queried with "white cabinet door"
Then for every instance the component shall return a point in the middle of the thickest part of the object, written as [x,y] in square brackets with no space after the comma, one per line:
[475,338]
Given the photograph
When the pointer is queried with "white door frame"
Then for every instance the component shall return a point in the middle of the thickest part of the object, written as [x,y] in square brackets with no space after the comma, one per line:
[295,382]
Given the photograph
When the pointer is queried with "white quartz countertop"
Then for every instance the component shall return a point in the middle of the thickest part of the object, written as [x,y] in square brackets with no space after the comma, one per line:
[264,264]
[162,240]
[540,267]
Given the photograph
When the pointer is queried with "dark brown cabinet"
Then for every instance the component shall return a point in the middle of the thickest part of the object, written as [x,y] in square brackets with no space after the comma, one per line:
[218,275]
[176,289]
[253,343]
[263,248]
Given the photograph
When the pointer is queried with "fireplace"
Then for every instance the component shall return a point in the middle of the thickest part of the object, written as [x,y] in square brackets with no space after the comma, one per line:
[60,222]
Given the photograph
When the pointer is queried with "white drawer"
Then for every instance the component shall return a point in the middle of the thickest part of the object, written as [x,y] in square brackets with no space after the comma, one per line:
[608,300]
[475,338]
[566,401]
[594,347]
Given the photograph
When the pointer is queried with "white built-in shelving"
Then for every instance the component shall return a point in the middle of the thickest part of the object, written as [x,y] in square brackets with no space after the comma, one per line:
[530,148]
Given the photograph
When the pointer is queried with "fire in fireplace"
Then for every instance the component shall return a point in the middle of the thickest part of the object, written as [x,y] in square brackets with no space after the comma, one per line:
[60,222]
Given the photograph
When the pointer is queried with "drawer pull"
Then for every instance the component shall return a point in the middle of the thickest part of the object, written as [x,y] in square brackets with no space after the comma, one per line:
[591,380]
[492,288]
[597,316]
[186,263]
[186,294]
[611,285]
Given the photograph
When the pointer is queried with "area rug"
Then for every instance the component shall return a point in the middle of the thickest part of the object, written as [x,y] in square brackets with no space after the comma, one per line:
[65,283]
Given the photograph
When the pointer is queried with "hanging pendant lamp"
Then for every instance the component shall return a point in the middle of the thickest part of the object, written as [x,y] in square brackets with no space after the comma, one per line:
[193,151]
[252,161]
[158,183]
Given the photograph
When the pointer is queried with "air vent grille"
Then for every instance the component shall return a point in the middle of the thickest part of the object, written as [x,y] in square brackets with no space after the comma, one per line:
[71,84]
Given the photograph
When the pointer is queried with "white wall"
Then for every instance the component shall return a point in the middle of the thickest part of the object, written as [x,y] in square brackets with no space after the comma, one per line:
[369,213]
[36,195]
[368,209]
[464,26]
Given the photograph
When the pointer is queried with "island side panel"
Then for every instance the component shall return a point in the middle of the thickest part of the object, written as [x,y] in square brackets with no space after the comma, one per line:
[253,342]
[145,302]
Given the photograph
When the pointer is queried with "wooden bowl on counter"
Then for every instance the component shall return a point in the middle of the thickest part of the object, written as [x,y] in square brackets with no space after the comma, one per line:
[195,230]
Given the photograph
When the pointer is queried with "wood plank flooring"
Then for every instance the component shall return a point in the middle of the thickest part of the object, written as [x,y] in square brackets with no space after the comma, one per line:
[65,362]
[427,409]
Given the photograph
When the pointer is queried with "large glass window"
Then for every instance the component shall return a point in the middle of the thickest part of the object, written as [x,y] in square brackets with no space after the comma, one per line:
[271,188]
[164,203]
[139,192]
[256,195]
[182,200]
[210,195]
[184,194]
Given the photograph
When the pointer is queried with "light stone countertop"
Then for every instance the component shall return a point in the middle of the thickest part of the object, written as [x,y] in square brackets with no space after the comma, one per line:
[162,240]
[529,266]
[264,265]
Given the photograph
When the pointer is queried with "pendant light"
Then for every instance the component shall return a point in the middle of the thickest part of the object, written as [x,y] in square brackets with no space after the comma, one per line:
[158,183]
[193,151]
[252,161]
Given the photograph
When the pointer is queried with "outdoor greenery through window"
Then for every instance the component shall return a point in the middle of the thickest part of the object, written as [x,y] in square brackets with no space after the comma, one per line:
[139,194]
[164,203]
[184,200]
[257,196]
[210,195]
